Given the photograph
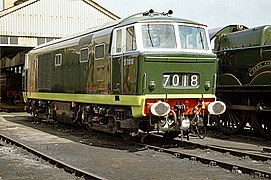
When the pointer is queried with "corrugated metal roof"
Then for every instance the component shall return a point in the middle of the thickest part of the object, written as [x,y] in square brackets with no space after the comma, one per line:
[52,18]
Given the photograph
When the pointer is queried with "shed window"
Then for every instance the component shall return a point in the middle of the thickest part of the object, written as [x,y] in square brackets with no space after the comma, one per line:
[13,40]
[130,39]
[4,40]
[99,51]
[40,40]
[49,39]
[58,59]
[84,55]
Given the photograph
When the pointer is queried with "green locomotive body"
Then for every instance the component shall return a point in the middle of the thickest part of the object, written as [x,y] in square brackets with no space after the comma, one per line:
[244,81]
[147,73]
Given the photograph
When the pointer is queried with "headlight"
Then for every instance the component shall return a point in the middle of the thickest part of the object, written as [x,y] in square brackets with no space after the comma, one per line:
[160,109]
[216,107]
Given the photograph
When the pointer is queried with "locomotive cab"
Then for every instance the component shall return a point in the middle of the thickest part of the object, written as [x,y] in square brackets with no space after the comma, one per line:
[165,63]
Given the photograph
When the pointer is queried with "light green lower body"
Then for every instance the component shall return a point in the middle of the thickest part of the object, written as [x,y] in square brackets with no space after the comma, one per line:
[136,102]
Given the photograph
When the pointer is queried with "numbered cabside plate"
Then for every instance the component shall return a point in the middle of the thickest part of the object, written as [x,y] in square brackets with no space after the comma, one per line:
[179,80]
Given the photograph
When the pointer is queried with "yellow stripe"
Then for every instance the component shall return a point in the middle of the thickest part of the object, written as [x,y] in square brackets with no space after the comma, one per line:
[135,101]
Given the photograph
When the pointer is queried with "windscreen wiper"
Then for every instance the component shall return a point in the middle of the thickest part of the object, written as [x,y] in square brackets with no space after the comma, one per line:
[149,33]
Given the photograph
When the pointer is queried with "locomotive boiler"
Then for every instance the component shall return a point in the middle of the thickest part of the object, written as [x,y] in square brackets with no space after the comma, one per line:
[244,82]
[148,73]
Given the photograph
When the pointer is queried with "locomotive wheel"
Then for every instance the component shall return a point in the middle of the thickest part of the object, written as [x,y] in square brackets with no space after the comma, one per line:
[88,123]
[126,136]
[170,135]
[200,131]
[233,120]
[263,124]
[32,110]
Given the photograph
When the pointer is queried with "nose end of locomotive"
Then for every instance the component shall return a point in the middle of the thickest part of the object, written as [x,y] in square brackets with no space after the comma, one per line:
[217,107]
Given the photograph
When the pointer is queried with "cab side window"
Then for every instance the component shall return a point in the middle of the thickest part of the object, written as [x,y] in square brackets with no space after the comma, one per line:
[130,39]
[119,41]
[99,51]
[58,59]
[84,55]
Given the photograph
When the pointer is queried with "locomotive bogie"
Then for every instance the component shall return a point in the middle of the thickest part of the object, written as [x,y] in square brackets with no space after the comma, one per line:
[116,118]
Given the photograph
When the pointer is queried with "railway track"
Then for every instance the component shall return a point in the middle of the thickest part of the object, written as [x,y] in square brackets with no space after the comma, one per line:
[257,164]
[60,164]
[237,160]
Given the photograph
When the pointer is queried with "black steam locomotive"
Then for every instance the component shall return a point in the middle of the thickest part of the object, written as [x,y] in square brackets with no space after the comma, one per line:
[244,81]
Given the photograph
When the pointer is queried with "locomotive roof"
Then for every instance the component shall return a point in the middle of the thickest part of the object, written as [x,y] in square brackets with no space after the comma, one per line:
[146,17]
[155,16]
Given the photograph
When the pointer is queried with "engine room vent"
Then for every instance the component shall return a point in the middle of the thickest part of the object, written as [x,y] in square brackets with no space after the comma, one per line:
[44,73]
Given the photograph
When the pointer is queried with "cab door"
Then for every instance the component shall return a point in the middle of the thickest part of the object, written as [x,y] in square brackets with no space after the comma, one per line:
[117,62]
[124,61]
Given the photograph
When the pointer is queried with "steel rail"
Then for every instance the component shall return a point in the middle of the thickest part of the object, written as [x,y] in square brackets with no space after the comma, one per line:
[60,164]
[230,166]
[256,172]
[179,154]
[232,151]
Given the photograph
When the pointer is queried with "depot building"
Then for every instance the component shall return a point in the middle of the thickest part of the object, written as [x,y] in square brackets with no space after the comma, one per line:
[25,24]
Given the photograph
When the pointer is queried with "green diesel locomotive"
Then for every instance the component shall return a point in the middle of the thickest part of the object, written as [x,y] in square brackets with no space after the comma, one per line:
[147,73]
[244,82]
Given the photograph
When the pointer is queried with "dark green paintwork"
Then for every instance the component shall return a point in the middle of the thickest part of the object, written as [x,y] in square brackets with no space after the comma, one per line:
[154,65]
[245,54]
[123,79]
